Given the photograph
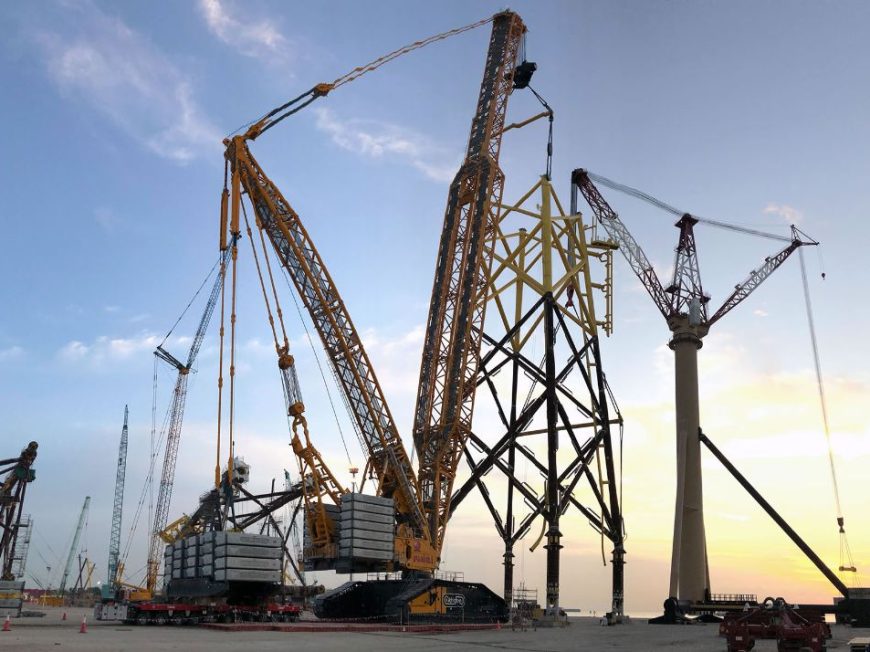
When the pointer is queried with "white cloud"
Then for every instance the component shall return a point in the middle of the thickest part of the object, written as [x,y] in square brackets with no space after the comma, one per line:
[760,313]
[11,353]
[106,349]
[396,360]
[788,213]
[73,351]
[98,60]
[260,39]
[378,140]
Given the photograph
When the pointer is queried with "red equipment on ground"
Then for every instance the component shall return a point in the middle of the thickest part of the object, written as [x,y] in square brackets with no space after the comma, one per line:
[775,619]
[158,613]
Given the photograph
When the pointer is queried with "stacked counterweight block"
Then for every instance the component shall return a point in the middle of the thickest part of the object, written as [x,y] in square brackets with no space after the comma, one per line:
[224,557]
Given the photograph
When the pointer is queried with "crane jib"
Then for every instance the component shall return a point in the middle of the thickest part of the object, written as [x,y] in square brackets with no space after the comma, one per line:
[445,397]
[349,362]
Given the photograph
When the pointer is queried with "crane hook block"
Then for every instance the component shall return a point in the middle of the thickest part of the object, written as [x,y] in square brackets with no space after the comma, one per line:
[523,74]
[296,409]
[285,361]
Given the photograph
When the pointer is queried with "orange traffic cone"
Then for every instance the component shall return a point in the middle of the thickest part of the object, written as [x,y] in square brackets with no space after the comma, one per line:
[6,626]
[84,628]
[64,616]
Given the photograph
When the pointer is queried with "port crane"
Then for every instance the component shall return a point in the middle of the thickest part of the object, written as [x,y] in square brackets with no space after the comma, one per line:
[112,577]
[683,304]
[445,399]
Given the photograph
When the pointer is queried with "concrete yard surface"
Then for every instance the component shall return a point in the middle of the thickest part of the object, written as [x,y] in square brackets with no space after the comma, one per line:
[51,632]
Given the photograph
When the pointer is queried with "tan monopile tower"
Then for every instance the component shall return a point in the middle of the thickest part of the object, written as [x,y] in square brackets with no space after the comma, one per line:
[683,304]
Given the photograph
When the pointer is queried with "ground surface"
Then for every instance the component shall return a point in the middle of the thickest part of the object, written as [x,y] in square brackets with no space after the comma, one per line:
[51,633]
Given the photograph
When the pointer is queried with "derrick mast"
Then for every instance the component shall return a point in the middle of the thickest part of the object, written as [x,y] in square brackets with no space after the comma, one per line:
[451,350]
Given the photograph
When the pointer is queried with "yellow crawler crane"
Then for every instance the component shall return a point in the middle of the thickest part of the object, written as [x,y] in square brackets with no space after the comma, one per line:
[418,503]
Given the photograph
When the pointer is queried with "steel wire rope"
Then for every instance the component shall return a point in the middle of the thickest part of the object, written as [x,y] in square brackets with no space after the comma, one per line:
[148,488]
[844,544]
[48,545]
[263,283]
[190,303]
[322,374]
[156,442]
[278,347]
[34,580]
[639,194]
[56,564]
[550,116]
[154,448]
[42,557]
[147,485]
[359,71]
[278,309]
[322,89]
[320,368]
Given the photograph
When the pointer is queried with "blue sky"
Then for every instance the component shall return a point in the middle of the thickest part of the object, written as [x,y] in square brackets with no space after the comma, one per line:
[751,112]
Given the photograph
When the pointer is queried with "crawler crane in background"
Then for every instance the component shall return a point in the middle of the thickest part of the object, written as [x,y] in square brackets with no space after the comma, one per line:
[112,579]
[173,430]
[411,509]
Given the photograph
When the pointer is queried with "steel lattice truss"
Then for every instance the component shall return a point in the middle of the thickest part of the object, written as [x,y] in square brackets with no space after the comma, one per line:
[349,362]
[543,385]
[117,508]
[18,474]
[445,395]
[175,421]
[685,287]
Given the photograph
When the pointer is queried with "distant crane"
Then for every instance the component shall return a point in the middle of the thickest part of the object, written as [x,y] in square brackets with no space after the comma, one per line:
[86,571]
[71,557]
[13,487]
[176,417]
[115,536]
[683,304]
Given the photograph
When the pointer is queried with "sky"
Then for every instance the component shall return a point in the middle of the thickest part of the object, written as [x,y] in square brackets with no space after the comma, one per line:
[754,113]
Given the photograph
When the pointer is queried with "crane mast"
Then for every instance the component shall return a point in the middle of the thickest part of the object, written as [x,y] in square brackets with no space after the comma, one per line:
[70,559]
[115,535]
[173,431]
[451,351]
